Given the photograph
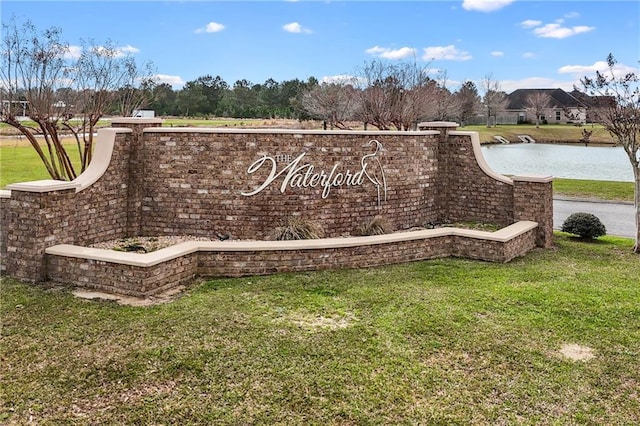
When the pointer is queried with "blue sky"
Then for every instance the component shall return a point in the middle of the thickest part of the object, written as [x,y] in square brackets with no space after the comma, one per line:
[521,44]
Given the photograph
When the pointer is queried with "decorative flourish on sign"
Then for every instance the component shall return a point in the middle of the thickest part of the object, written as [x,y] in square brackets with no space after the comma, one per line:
[298,174]
[376,173]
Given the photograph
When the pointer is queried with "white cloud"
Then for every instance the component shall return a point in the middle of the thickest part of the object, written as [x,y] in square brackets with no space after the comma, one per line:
[450,53]
[386,53]
[557,31]
[573,74]
[582,70]
[528,55]
[128,49]
[295,28]
[497,53]
[530,23]
[376,50]
[116,52]
[173,80]
[485,5]
[537,83]
[73,52]
[211,27]
[338,79]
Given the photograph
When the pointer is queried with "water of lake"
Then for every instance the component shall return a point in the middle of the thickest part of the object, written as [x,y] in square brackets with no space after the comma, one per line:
[562,161]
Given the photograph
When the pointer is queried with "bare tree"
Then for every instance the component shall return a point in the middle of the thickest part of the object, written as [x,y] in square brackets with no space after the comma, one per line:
[32,66]
[446,105]
[39,72]
[395,96]
[376,95]
[106,80]
[334,103]
[494,100]
[467,101]
[621,118]
[537,102]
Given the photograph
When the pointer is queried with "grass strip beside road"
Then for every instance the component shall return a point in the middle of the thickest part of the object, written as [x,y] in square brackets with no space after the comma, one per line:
[447,341]
[594,189]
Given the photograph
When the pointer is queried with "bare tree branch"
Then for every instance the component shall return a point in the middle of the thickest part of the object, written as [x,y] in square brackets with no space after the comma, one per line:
[620,116]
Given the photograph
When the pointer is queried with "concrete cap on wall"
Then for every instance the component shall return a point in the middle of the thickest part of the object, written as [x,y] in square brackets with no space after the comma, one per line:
[136,120]
[533,178]
[432,124]
[46,185]
[104,144]
[226,130]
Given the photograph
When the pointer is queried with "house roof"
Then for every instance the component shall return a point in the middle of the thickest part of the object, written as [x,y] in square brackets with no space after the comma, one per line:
[593,101]
[558,99]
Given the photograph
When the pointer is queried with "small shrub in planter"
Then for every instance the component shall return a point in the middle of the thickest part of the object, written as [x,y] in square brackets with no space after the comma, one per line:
[379,225]
[585,225]
[297,228]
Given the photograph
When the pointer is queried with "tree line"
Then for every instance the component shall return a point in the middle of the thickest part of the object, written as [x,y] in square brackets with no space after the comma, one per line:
[209,96]
[383,95]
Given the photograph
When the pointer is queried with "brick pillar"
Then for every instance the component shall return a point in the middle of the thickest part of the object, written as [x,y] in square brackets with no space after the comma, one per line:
[35,221]
[443,148]
[5,199]
[444,127]
[533,200]
[135,185]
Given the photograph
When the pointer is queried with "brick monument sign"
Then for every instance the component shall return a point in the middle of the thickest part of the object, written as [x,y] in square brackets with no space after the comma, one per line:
[148,180]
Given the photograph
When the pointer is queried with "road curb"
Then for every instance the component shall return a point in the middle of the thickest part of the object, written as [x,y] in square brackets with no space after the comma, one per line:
[592,200]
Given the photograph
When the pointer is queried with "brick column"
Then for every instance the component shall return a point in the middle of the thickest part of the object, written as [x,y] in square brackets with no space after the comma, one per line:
[443,154]
[444,127]
[35,221]
[5,199]
[135,185]
[533,200]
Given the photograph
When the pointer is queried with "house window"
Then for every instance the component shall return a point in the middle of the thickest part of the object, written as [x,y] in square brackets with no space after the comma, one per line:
[558,116]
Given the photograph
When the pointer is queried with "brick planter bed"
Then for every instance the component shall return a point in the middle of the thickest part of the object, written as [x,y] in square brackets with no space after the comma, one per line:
[142,275]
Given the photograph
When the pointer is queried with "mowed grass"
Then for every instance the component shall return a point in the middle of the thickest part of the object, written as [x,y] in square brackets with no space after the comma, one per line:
[446,341]
[604,190]
[20,163]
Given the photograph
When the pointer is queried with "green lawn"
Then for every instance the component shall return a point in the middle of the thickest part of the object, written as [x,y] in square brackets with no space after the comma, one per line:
[22,164]
[604,190]
[448,341]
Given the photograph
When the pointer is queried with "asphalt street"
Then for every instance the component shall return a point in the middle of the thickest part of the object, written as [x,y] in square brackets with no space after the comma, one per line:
[618,218]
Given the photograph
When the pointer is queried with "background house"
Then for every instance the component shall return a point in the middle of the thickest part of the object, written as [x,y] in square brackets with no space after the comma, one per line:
[555,106]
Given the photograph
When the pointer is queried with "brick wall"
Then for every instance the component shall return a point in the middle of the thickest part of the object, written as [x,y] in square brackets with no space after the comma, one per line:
[36,220]
[5,199]
[164,181]
[143,281]
[467,193]
[193,182]
[122,279]
[533,200]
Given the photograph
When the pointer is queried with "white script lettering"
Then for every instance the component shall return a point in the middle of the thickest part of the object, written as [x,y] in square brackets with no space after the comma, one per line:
[304,175]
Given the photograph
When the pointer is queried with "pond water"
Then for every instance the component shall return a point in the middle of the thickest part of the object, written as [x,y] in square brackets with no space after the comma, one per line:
[562,161]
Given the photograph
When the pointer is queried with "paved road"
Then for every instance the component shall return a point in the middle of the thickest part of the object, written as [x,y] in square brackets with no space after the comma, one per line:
[617,218]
